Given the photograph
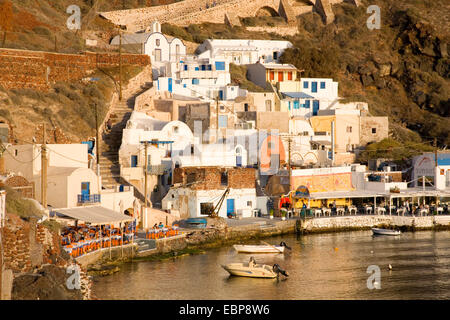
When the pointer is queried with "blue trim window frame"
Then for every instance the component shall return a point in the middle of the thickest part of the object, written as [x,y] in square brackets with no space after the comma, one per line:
[220,65]
[322,84]
[308,104]
[314,86]
[305,84]
[195,81]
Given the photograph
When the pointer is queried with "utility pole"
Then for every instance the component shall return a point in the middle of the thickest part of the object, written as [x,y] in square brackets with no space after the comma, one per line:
[44,166]
[97,147]
[146,173]
[289,161]
[436,173]
[217,118]
[120,64]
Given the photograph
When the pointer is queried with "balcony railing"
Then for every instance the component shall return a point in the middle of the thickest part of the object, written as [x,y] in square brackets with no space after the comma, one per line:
[88,198]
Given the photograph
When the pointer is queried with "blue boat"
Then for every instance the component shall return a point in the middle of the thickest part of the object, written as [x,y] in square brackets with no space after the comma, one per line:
[197,222]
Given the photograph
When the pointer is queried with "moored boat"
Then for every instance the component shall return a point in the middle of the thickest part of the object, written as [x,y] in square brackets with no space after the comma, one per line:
[385,232]
[254,270]
[258,248]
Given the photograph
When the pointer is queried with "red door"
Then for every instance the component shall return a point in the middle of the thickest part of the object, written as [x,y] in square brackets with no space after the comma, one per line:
[280,76]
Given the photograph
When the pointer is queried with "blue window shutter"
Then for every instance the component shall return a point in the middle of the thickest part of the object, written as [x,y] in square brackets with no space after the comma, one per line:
[185,67]
[289,105]
[184,85]
[220,65]
[197,69]
[305,84]
[322,85]
[296,104]
[209,67]
[314,86]
[195,81]
[307,104]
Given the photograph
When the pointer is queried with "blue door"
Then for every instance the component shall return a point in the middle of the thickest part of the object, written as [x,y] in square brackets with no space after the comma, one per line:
[313,86]
[85,191]
[230,206]
[170,84]
[238,161]
[134,161]
[221,95]
[315,107]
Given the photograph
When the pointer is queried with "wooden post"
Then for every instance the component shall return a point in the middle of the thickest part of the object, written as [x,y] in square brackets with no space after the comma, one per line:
[145,174]
[120,64]
[44,166]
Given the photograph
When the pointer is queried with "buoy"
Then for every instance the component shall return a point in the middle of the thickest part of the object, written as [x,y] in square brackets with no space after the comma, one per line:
[390,267]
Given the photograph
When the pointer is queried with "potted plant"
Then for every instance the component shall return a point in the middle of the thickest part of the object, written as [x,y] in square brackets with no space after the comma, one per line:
[283,215]
[271,213]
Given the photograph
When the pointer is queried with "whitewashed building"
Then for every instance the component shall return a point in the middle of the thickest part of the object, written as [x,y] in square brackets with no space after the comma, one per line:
[161,48]
[242,51]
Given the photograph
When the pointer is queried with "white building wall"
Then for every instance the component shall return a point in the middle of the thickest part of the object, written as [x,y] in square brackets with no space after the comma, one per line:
[74,185]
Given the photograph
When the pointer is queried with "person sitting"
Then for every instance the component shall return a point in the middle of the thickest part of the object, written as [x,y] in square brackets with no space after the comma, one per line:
[161,225]
[252,262]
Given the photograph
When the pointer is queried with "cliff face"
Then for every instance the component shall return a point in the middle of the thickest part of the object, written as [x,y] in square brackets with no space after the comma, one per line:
[401,70]
[38,263]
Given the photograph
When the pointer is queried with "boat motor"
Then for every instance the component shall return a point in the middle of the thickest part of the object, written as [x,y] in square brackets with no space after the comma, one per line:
[277,269]
[283,244]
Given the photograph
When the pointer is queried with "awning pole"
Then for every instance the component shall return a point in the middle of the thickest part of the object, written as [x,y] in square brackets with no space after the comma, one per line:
[121,237]
[110,241]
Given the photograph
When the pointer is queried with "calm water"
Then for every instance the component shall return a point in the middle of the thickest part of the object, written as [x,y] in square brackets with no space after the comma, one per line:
[420,270]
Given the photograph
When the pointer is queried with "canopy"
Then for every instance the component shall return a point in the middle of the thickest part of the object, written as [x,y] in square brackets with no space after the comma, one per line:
[297,95]
[93,214]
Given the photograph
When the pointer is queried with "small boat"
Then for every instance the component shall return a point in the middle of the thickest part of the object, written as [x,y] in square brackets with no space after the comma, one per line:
[254,270]
[264,248]
[196,222]
[385,232]
[258,248]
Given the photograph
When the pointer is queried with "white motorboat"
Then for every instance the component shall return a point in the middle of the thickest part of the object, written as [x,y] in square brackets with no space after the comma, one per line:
[258,248]
[385,232]
[254,270]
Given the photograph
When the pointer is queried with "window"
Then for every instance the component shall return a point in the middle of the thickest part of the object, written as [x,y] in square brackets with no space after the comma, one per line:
[374,130]
[224,178]
[203,67]
[134,161]
[175,129]
[305,133]
[249,203]
[322,85]
[191,178]
[223,121]
[158,42]
[290,75]
[185,67]
[222,108]
[272,75]
[192,149]
[314,86]
[280,76]
[177,49]
[275,55]
[195,81]
[220,65]
[16,152]
[305,85]
[349,129]
[246,107]
[206,208]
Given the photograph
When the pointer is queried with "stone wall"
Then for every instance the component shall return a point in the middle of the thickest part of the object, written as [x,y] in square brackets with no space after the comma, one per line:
[365,222]
[209,178]
[39,69]
[188,12]
[379,124]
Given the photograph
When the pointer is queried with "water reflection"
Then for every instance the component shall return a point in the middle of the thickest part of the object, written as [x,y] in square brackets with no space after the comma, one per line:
[325,266]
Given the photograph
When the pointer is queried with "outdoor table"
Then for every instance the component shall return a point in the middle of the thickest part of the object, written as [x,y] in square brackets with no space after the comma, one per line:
[368,209]
[325,211]
[381,210]
[340,210]
[440,209]
[401,211]
[423,211]
[352,208]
